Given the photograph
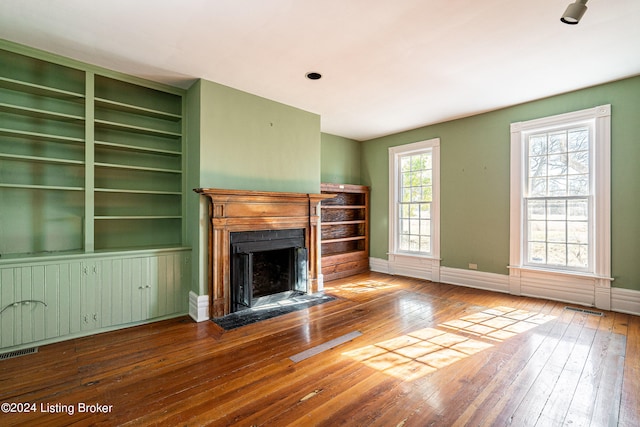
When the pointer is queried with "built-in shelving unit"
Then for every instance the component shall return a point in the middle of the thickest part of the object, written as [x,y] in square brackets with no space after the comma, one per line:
[116,145]
[91,165]
[138,165]
[345,230]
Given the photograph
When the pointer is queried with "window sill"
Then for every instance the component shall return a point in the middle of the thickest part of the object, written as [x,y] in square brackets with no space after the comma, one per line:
[580,274]
[413,255]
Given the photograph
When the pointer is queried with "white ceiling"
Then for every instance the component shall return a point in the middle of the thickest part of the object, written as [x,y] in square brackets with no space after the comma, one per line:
[387,66]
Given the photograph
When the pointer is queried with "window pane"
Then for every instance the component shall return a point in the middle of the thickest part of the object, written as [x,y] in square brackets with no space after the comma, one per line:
[537,231]
[537,209]
[537,145]
[425,210]
[579,139]
[578,185]
[538,187]
[578,256]
[558,165]
[558,142]
[558,186]
[556,231]
[577,232]
[537,253]
[557,254]
[578,210]
[556,209]
[579,162]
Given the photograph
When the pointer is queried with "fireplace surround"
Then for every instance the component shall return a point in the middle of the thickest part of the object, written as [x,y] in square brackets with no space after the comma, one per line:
[241,211]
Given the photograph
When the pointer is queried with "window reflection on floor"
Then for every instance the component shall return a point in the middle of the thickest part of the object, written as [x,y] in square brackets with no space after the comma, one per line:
[423,351]
[362,286]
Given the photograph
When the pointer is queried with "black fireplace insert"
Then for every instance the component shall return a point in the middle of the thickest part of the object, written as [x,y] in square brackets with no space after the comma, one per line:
[267,265]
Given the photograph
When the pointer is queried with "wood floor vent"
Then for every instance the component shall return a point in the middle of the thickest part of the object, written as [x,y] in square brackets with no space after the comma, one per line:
[18,353]
[583,310]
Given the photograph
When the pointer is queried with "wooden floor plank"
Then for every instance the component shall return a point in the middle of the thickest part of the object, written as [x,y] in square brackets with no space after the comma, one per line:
[429,354]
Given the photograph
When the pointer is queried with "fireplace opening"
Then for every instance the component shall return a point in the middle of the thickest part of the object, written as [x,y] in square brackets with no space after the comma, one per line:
[267,266]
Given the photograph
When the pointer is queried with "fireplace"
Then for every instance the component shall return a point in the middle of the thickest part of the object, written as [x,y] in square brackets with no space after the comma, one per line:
[239,221]
[267,266]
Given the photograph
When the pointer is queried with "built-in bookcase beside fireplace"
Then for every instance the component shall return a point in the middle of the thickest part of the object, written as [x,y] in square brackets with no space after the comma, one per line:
[261,244]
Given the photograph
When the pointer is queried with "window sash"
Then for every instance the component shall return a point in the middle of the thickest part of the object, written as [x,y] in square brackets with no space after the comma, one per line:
[414,199]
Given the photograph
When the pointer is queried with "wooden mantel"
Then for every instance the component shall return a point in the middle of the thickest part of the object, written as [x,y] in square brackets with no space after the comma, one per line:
[239,210]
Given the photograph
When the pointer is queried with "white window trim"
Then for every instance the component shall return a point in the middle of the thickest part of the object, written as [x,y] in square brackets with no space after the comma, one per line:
[601,273]
[394,154]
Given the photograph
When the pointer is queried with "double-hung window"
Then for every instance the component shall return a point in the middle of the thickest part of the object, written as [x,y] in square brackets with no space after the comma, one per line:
[414,193]
[560,192]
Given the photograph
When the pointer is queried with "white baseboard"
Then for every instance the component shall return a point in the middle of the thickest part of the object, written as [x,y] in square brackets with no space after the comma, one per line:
[379,265]
[475,279]
[625,301]
[410,266]
[565,288]
[198,307]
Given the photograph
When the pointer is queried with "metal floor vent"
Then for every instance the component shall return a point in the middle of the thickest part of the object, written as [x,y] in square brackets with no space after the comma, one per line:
[582,310]
[18,353]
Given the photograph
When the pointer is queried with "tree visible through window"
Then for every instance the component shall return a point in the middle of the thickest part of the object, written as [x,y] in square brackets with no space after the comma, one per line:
[558,197]
[414,198]
[416,195]
[561,192]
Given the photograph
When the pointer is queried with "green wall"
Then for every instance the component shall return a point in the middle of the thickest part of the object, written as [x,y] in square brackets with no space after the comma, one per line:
[475,180]
[252,143]
[340,159]
[242,141]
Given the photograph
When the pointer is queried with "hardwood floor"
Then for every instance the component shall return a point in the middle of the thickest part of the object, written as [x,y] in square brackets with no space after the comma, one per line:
[429,354]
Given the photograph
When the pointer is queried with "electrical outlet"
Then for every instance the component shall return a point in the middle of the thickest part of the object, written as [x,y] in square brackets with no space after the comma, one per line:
[473,266]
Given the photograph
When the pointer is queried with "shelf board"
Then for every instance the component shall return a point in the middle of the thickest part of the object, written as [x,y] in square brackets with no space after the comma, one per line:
[126,147]
[139,168]
[133,191]
[130,108]
[329,223]
[137,129]
[40,136]
[41,187]
[41,114]
[37,89]
[342,206]
[120,217]
[343,253]
[54,160]
[343,239]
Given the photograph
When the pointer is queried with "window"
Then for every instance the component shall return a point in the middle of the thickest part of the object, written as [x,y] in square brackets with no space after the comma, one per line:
[414,171]
[560,192]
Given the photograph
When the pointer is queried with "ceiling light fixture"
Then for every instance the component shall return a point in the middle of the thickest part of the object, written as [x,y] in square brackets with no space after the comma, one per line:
[574,12]
[314,76]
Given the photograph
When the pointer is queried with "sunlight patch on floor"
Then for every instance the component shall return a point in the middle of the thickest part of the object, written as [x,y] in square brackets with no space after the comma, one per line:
[362,286]
[426,350]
